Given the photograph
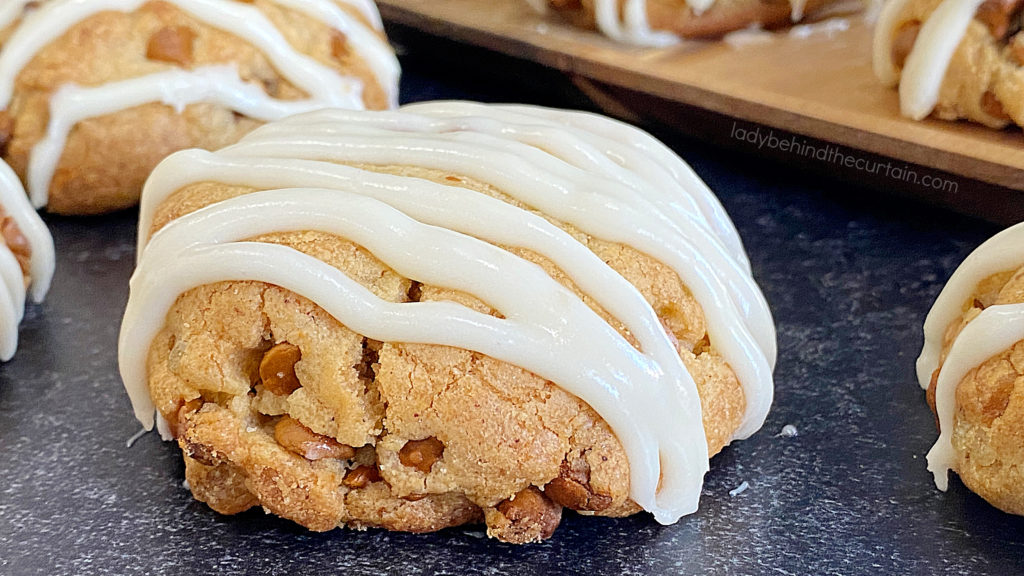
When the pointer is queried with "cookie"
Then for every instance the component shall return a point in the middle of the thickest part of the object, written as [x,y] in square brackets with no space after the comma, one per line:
[26,258]
[448,314]
[94,94]
[954,59]
[972,366]
[664,22]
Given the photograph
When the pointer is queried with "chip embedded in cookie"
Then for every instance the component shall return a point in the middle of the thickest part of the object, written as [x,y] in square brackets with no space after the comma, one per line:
[972,366]
[954,59]
[446,314]
[93,94]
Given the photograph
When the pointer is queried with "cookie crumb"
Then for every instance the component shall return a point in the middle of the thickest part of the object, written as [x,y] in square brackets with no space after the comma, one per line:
[788,431]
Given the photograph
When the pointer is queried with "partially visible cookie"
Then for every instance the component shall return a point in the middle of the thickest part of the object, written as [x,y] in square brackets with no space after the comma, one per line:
[663,22]
[94,94]
[26,258]
[447,314]
[973,368]
[954,59]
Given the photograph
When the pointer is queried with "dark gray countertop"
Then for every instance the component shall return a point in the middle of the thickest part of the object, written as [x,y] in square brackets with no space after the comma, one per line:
[849,274]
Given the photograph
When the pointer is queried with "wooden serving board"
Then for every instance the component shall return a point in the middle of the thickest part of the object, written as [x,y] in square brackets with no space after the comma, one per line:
[820,86]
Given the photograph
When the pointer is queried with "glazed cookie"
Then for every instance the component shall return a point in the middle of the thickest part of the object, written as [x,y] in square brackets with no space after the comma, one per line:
[94,93]
[26,258]
[664,22]
[446,314]
[973,368]
[956,59]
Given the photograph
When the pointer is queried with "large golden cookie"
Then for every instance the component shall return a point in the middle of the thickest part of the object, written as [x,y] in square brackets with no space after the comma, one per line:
[274,403]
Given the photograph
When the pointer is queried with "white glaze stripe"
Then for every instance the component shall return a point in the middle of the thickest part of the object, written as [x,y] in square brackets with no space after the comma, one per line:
[1004,252]
[546,329]
[992,332]
[176,88]
[41,263]
[926,65]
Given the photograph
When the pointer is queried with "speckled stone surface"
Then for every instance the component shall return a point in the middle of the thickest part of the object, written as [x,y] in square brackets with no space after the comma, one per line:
[849,276]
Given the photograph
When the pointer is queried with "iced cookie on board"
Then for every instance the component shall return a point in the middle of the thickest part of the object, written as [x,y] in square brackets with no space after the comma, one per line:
[972,366]
[665,22]
[26,258]
[446,314]
[954,59]
[94,93]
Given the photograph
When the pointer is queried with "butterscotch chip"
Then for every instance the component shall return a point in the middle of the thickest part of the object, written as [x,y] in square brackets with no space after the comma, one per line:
[339,46]
[421,454]
[172,44]
[530,517]
[186,410]
[997,14]
[291,434]
[362,476]
[572,489]
[16,242]
[992,106]
[277,369]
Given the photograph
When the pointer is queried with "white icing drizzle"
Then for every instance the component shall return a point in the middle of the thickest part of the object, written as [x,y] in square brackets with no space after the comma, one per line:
[177,88]
[447,235]
[993,331]
[921,78]
[626,20]
[325,86]
[10,11]
[41,261]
